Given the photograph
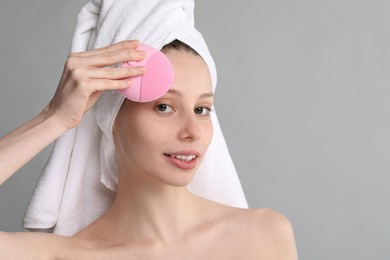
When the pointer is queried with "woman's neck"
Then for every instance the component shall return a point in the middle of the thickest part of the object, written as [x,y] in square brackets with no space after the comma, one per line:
[149,209]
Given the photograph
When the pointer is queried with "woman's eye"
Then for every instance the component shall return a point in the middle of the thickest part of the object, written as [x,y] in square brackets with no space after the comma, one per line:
[164,108]
[204,111]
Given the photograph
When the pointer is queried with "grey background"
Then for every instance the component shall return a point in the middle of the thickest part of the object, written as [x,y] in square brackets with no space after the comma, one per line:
[303,99]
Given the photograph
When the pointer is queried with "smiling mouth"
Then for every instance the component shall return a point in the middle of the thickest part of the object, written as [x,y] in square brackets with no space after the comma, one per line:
[184,158]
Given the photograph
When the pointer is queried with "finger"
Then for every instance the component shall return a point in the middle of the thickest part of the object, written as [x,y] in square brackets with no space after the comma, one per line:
[129,44]
[110,58]
[115,73]
[109,84]
[102,60]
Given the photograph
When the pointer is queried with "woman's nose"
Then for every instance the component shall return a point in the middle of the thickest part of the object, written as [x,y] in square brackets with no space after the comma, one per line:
[191,129]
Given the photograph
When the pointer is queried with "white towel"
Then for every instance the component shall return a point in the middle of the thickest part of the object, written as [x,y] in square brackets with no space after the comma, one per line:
[79,180]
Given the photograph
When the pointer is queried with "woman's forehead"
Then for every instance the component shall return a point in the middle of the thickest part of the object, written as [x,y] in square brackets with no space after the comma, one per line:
[191,73]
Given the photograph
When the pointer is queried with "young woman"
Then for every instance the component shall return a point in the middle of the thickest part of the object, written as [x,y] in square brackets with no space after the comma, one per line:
[153,216]
[145,153]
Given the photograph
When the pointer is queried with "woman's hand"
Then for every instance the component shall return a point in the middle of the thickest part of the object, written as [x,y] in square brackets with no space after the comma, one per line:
[86,76]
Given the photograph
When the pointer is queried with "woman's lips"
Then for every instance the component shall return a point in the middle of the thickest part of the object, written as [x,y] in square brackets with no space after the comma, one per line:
[186,161]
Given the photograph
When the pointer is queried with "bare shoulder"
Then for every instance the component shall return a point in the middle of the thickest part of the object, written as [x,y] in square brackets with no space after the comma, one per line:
[257,233]
[263,220]
[270,231]
[269,220]
[30,245]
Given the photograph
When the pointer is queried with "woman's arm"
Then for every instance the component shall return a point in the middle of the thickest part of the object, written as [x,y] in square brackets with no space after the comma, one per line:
[22,144]
[84,78]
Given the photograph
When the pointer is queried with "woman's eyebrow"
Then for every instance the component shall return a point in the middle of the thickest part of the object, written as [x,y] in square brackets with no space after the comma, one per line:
[206,95]
[174,92]
[177,93]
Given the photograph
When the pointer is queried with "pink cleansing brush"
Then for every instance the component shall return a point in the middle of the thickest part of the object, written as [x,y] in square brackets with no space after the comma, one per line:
[156,80]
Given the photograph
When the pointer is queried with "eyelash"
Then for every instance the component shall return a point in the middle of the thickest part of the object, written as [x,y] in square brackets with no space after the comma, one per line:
[163,112]
[209,110]
[158,108]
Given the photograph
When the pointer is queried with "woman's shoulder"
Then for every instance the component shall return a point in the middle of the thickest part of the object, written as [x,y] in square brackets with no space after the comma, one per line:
[260,220]
[266,232]
[265,220]
[38,245]
[272,231]
[32,245]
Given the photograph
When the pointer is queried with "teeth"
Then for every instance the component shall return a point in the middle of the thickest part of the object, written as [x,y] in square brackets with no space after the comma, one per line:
[184,157]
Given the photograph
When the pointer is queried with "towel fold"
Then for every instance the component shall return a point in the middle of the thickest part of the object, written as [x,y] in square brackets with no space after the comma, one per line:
[78,182]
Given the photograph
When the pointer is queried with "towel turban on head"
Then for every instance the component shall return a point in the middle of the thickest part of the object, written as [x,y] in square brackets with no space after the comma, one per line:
[79,180]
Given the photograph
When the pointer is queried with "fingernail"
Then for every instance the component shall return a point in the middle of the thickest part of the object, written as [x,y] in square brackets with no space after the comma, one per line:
[142,53]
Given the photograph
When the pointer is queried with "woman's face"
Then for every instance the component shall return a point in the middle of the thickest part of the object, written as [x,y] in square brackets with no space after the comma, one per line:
[166,139]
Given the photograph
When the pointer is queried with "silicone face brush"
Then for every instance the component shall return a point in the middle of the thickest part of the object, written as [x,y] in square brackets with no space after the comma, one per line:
[156,80]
